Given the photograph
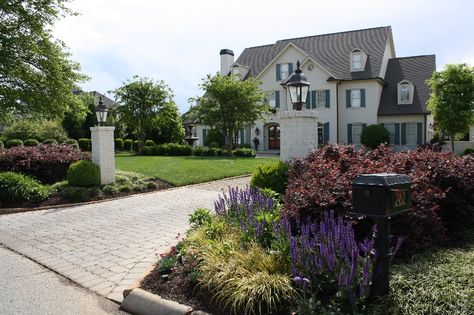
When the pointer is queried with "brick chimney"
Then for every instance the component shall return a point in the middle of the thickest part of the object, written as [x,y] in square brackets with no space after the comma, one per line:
[227,59]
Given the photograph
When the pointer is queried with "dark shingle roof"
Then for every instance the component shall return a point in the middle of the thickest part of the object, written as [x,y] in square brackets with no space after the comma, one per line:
[415,69]
[332,51]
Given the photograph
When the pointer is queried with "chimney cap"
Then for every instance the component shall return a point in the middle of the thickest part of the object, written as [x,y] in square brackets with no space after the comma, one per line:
[226,52]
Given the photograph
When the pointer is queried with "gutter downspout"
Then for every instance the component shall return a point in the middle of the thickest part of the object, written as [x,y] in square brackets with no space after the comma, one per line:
[425,128]
[337,111]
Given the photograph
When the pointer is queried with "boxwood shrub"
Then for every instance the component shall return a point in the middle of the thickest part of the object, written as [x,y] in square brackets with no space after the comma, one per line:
[172,149]
[16,187]
[442,190]
[149,143]
[119,144]
[468,151]
[13,143]
[50,141]
[374,135]
[272,176]
[84,144]
[128,144]
[31,143]
[83,174]
[244,152]
[72,142]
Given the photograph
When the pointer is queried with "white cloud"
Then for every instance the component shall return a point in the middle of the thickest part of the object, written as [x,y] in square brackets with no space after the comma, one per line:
[179,41]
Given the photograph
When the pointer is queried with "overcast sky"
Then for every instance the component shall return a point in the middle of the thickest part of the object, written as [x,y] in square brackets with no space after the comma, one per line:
[178,41]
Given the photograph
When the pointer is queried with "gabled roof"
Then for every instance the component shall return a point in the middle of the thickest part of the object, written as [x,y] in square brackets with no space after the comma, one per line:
[417,70]
[332,51]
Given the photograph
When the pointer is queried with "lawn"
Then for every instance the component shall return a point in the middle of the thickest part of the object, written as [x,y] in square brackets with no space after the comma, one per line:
[184,170]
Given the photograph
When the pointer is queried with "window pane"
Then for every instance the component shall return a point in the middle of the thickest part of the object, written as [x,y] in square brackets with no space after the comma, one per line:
[355,98]
[320,98]
[320,133]
[284,69]
[404,93]
[356,132]
[391,131]
[411,133]
[271,99]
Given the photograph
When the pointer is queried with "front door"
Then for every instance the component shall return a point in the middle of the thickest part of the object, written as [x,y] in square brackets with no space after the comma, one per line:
[274,137]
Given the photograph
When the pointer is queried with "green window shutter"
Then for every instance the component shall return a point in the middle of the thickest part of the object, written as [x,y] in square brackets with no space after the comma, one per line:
[419,133]
[348,98]
[277,99]
[404,134]
[326,133]
[242,140]
[290,69]
[349,133]
[308,99]
[328,100]
[397,134]
[313,99]
[362,97]
[278,74]
[204,135]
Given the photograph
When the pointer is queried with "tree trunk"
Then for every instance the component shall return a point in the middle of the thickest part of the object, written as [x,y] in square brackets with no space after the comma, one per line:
[452,141]
[229,137]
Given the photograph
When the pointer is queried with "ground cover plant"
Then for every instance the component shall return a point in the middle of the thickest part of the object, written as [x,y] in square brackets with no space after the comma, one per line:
[15,187]
[184,170]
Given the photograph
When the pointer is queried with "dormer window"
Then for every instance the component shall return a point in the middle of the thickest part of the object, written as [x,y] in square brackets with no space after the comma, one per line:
[358,59]
[235,70]
[405,92]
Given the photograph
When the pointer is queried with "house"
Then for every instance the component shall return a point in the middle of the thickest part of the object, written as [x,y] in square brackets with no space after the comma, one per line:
[356,80]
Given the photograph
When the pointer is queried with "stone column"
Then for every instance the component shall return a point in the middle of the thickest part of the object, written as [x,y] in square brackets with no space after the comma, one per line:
[103,152]
[298,133]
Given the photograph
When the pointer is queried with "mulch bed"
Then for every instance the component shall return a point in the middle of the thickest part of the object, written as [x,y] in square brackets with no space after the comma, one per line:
[56,199]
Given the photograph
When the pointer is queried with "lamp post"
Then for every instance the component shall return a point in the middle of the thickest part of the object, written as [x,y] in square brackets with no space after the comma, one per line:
[298,87]
[101,112]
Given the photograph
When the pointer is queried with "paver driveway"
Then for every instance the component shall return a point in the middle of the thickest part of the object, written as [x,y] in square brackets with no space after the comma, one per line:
[107,246]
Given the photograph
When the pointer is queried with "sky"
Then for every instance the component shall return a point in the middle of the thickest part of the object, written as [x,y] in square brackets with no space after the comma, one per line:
[179,41]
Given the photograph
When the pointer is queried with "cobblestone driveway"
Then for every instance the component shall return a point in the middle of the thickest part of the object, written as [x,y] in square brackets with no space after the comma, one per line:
[107,246]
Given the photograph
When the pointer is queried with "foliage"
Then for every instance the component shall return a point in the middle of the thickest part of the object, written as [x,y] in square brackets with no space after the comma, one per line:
[48,163]
[442,189]
[31,143]
[72,142]
[136,146]
[244,152]
[272,175]
[214,136]
[13,143]
[36,75]
[468,151]
[167,127]
[15,187]
[119,144]
[452,99]
[1,145]
[78,123]
[128,181]
[80,194]
[83,174]
[169,149]
[141,101]
[200,217]
[50,141]
[149,143]
[128,144]
[433,282]
[206,151]
[230,104]
[374,135]
[35,129]
[84,144]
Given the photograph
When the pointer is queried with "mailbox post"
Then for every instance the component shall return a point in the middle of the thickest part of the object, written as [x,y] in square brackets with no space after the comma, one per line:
[380,196]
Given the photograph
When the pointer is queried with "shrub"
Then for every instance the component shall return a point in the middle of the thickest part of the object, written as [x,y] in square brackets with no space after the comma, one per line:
[244,152]
[136,146]
[244,146]
[150,143]
[200,217]
[50,141]
[214,135]
[468,151]
[214,145]
[272,175]
[128,144]
[119,144]
[128,181]
[34,129]
[13,143]
[83,174]
[80,194]
[148,150]
[2,146]
[15,187]
[173,149]
[84,144]
[31,143]
[48,163]
[442,189]
[197,151]
[72,142]
[374,135]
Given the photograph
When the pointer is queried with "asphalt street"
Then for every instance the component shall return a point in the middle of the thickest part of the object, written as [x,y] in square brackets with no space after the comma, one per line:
[30,289]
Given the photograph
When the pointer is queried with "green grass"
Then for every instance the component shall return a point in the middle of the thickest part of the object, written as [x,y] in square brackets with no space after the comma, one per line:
[185,170]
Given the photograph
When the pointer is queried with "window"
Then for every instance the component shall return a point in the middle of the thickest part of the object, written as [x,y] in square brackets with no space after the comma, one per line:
[283,71]
[354,131]
[405,92]
[357,60]
[235,71]
[323,133]
[391,131]
[411,134]
[318,99]
[355,98]
[274,99]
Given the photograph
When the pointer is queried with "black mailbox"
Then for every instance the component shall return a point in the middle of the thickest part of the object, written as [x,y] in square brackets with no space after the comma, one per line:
[381,195]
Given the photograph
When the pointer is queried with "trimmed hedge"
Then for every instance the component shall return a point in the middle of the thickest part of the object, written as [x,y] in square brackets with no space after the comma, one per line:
[271,176]
[128,144]
[374,135]
[83,174]
[13,143]
[244,152]
[169,149]
[31,143]
[442,190]
[119,144]
[15,187]
[468,151]
[48,163]
[150,143]
[50,141]
[84,144]
[72,142]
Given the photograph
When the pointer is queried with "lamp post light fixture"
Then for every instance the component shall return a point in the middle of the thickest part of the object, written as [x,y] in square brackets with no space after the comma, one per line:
[257,131]
[101,112]
[298,86]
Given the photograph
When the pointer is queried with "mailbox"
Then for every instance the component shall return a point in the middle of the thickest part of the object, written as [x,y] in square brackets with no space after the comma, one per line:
[381,195]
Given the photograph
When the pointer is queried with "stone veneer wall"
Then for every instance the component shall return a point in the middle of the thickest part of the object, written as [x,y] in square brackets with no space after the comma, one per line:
[103,152]
[298,133]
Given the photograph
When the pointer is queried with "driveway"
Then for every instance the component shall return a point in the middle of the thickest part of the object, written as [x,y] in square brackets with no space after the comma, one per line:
[107,246]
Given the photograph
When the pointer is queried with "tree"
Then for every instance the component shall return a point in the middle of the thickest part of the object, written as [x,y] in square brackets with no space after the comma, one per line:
[167,127]
[36,75]
[141,100]
[374,135]
[452,99]
[77,124]
[229,104]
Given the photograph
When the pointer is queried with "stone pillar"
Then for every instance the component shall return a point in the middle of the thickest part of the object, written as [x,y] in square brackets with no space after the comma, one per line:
[298,133]
[103,152]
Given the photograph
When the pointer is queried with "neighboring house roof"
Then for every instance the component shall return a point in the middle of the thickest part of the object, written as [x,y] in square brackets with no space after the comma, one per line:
[416,70]
[107,101]
[332,51]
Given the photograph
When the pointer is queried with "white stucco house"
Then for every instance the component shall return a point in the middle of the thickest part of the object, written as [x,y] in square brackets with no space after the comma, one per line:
[356,80]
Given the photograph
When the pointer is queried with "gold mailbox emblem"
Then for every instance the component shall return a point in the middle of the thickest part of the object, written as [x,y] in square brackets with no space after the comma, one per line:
[399,198]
